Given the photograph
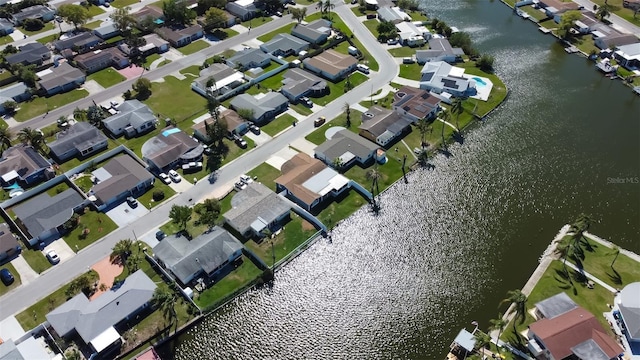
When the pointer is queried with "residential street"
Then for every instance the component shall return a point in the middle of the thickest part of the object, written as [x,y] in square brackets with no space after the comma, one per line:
[64,272]
[618,23]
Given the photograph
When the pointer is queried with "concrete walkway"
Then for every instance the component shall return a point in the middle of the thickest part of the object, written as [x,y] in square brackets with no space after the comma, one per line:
[448,123]
[26,272]
[403,81]
[591,277]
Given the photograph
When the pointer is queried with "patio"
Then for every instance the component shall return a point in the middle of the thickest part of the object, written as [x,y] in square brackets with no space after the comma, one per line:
[107,272]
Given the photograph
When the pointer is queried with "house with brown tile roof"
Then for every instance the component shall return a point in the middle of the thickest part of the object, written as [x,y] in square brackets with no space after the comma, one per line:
[234,122]
[9,246]
[415,104]
[383,126]
[331,64]
[182,36]
[170,148]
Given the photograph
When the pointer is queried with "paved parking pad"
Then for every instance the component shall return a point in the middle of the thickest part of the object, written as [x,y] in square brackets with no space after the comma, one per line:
[10,329]
[281,157]
[123,214]
[26,272]
[62,248]
[182,186]
[305,146]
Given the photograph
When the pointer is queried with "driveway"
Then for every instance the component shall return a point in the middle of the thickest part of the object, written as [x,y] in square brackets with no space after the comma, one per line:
[26,272]
[10,329]
[258,139]
[123,214]
[62,248]
[280,157]
[92,87]
[304,145]
[182,186]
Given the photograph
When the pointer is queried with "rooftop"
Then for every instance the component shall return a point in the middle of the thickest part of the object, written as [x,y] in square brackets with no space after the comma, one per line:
[21,159]
[172,144]
[61,75]
[556,305]
[80,136]
[345,145]
[331,62]
[256,202]
[123,173]
[44,212]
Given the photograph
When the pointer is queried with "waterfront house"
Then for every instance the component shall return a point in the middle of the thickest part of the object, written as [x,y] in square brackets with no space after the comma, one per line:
[39,12]
[554,306]
[171,148]
[441,77]
[383,126]
[614,40]
[133,118]
[392,14]
[627,312]
[61,78]
[6,27]
[331,65]
[297,83]
[415,104]
[181,36]
[206,256]
[224,79]
[284,45]
[255,209]
[80,140]
[95,321]
[309,182]
[346,148]
[628,56]
[106,31]
[80,43]
[101,59]
[119,178]
[555,8]
[575,333]
[236,125]
[315,32]
[23,164]
[249,58]
[243,9]
[439,50]
[9,246]
[263,109]
[42,216]
[30,54]
[463,345]
[17,92]
[411,34]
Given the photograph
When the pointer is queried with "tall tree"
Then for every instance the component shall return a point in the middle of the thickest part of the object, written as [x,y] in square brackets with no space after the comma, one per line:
[74,14]
[177,12]
[482,340]
[180,215]
[327,7]
[298,14]
[215,18]
[209,212]
[423,157]
[423,128]
[445,116]
[457,109]
[80,114]
[519,301]
[164,300]
[567,21]
[498,324]
[121,250]
[31,137]
[347,111]
[603,12]
[374,175]
[123,20]
[5,139]
[142,87]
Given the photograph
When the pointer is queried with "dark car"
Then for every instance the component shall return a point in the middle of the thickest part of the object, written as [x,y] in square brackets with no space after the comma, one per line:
[241,143]
[132,202]
[254,129]
[160,235]
[6,276]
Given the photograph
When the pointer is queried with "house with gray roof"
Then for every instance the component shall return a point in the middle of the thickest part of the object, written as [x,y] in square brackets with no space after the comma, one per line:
[627,304]
[23,349]
[6,27]
[315,32]
[615,39]
[349,147]
[61,78]
[392,14]
[95,321]
[133,118]
[40,12]
[554,306]
[383,126]
[331,64]
[284,45]
[106,31]
[181,36]
[17,92]
[23,164]
[119,178]
[264,109]
[297,83]
[249,58]
[224,80]
[9,246]
[243,9]
[255,209]
[101,59]
[205,256]
[80,42]
[41,216]
[30,54]
[439,50]
[80,140]
[171,148]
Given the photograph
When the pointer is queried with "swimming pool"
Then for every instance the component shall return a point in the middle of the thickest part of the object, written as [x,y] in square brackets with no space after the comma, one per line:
[479,81]
[15,185]
[170,131]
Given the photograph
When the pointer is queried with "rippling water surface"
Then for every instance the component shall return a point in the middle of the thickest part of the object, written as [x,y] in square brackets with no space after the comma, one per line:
[447,246]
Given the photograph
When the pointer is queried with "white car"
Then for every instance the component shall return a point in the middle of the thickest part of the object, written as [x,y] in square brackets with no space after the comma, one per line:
[240,186]
[165,178]
[53,257]
[175,176]
[246,179]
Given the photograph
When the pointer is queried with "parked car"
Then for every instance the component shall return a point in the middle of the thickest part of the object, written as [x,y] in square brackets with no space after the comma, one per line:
[319,121]
[240,186]
[132,202]
[53,257]
[392,41]
[175,176]
[241,143]
[63,123]
[160,235]
[306,101]
[192,166]
[246,179]
[278,14]
[408,60]
[254,129]
[6,276]
[363,68]
[165,178]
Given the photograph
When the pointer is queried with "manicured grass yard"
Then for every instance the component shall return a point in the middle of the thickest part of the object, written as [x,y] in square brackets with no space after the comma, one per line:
[151,58]
[94,10]
[92,25]
[278,124]
[235,151]
[48,26]
[301,109]
[107,77]
[617,8]
[598,263]
[167,94]
[253,23]
[406,51]
[124,3]
[5,289]
[266,174]
[36,259]
[341,208]
[338,89]
[5,40]
[535,13]
[283,30]
[146,199]
[317,136]
[372,25]
[194,47]
[98,224]
[40,105]
[48,38]
[235,280]
[410,71]
[274,82]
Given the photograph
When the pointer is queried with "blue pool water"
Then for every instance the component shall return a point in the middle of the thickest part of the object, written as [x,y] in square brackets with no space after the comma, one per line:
[479,81]
[13,186]
[170,131]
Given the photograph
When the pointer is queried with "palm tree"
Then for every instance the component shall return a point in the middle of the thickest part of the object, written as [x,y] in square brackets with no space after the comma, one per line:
[482,340]
[423,127]
[337,163]
[327,6]
[5,139]
[134,260]
[164,299]
[423,157]
[498,324]
[603,12]
[347,111]
[374,175]
[616,252]
[445,118]
[31,137]
[121,251]
[519,300]
[456,108]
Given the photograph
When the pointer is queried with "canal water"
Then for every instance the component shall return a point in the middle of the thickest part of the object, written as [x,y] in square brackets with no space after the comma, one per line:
[447,246]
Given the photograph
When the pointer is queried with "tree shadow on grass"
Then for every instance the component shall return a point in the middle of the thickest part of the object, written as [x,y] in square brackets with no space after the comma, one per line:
[615,277]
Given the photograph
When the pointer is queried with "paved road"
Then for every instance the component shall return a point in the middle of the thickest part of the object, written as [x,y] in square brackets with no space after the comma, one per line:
[618,23]
[22,297]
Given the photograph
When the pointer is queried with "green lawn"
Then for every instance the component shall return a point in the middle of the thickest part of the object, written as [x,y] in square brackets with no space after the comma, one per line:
[406,51]
[98,224]
[194,47]
[40,105]
[385,102]
[107,77]
[417,16]
[167,94]
[283,30]
[341,208]
[36,259]
[598,263]
[338,89]
[151,58]
[58,189]
[617,8]
[410,71]
[235,151]
[124,3]
[6,40]
[115,39]
[84,183]
[295,232]
[48,26]
[274,82]
[266,174]
[372,25]
[357,12]
[391,171]
[146,199]
[223,34]
[93,25]
[49,38]
[5,289]
[235,280]
[253,23]
[301,109]
[94,10]
[585,43]
[278,124]
[535,13]
[317,136]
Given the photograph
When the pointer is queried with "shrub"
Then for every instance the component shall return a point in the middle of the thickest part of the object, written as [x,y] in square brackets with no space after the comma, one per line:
[158,195]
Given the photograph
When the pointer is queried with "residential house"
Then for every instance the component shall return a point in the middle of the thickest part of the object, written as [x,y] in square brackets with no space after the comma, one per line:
[284,45]
[17,92]
[40,12]
[586,24]
[554,306]
[236,125]
[243,9]
[439,50]
[79,140]
[297,83]
[206,256]
[102,59]
[331,65]
[95,321]
[383,126]
[263,109]
[255,209]
[463,345]
[309,182]
[224,79]
[6,27]
[23,164]
[133,118]
[627,310]
[315,32]
[555,8]
[392,14]
[106,31]
[574,334]
[248,59]
[229,22]
[24,349]
[149,13]
[346,148]
[411,34]
[171,148]
[628,56]
[614,40]
[179,37]
[30,54]
[42,216]
[9,246]
[61,78]
[81,42]
[154,44]
[415,104]
[119,178]
[440,77]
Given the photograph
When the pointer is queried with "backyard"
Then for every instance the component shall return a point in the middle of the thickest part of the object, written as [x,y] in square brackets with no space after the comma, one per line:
[173,91]
[41,105]
[92,226]
[235,280]
[341,208]
[338,89]
[106,77]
